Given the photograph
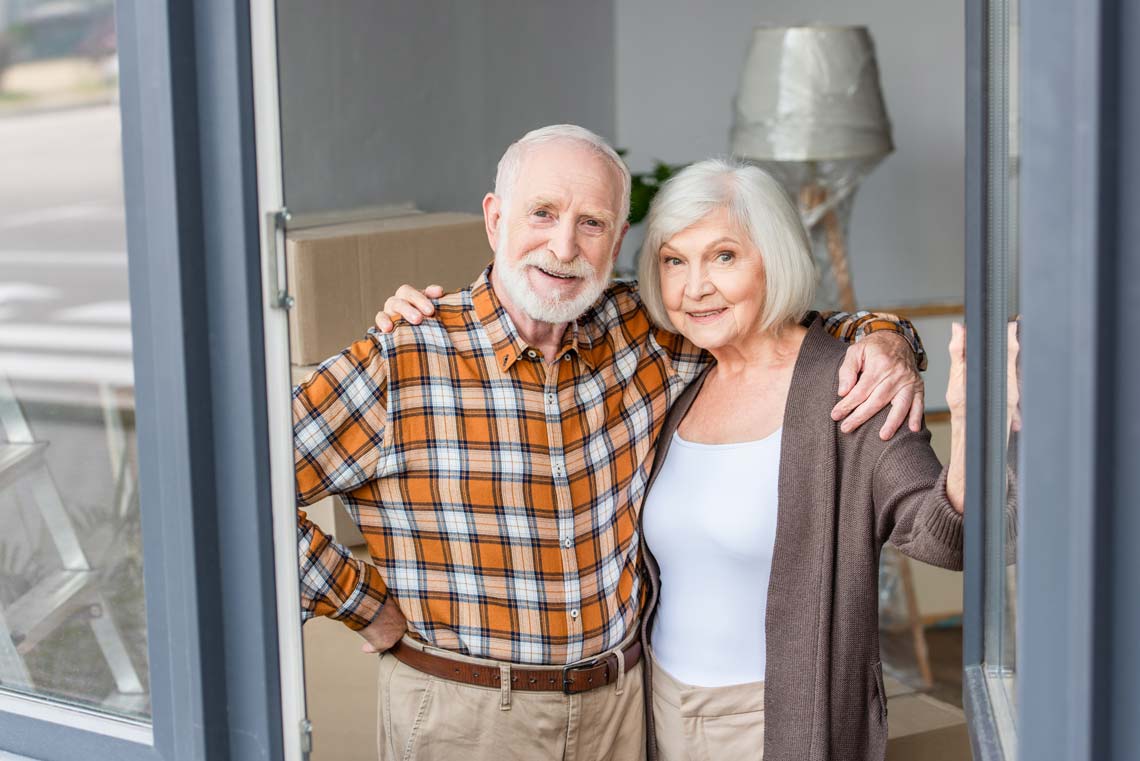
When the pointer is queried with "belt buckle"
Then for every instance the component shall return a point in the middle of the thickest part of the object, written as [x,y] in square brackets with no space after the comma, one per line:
[574,667]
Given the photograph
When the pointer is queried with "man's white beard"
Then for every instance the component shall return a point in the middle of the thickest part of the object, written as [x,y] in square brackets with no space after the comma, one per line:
[552,308]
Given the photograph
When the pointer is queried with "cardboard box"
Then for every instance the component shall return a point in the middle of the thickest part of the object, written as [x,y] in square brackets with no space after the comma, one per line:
[340,274]
[920,727]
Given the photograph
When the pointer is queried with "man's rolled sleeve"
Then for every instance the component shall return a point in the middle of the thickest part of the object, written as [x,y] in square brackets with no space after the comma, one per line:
[333,582]
[855,326]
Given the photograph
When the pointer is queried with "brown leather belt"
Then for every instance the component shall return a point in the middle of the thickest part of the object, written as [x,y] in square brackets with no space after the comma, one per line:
[572,679]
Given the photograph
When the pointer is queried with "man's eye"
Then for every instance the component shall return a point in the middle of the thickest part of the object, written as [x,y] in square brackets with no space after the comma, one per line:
[542,213]
[593,223]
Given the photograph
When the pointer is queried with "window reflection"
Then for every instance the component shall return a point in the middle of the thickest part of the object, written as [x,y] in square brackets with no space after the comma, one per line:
[72,613]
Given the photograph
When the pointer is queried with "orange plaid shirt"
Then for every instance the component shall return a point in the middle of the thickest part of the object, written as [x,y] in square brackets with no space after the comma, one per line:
[498,495]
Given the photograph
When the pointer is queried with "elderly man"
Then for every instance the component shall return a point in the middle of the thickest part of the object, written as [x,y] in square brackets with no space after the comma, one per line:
[495,457]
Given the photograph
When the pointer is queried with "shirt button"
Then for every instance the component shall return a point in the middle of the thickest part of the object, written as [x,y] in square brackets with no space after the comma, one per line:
[567,542]
[574,613]
[551,399]
[566,357]
[532,353]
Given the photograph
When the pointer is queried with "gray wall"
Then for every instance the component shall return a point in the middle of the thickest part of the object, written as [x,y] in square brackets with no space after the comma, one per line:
[386,101]
[677,71]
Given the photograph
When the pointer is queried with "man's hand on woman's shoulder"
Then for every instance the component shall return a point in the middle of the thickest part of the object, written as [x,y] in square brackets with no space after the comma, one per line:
[880,370]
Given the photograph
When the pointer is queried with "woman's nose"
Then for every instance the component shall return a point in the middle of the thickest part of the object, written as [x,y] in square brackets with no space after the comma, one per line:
[698,285]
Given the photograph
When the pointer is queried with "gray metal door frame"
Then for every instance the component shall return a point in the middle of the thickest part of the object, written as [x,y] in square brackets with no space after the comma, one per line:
[1079,576]
[194,268]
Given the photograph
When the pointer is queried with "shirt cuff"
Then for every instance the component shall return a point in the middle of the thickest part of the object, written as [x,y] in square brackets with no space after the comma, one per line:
[367,598]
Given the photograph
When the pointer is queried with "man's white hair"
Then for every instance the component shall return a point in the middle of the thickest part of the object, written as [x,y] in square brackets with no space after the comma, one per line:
[511,163]
[759,207]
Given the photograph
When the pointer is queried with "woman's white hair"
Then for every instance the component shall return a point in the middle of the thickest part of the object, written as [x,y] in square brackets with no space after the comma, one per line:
[760,208]
[511,163]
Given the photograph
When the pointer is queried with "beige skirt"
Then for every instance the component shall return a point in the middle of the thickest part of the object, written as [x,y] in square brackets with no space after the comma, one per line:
[707,723]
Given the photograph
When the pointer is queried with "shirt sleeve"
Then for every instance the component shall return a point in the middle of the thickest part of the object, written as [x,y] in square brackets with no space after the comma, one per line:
[855,326]
[338,437]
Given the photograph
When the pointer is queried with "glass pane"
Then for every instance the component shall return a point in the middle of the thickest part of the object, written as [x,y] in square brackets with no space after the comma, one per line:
[72,613]
[1001,340]
[1013,419]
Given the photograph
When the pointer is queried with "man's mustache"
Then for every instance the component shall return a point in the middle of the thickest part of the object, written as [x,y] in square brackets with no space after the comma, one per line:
[544,260]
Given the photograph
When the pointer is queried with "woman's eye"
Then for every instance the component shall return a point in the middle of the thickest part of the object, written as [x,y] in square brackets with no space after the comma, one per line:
[672,261]
[725,257]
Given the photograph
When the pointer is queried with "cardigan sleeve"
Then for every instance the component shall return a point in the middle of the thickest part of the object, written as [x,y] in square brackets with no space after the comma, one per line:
[912,510]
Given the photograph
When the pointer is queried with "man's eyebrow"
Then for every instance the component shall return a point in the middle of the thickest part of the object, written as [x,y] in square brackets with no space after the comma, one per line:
[605,216]
[541,201]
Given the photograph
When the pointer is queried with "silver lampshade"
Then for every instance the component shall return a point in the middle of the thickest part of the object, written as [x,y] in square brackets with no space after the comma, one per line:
[810,93]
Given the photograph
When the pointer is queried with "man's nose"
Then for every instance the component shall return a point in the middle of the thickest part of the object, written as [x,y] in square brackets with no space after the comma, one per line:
[563,243]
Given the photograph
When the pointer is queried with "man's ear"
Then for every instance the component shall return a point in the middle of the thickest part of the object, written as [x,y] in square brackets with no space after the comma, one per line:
[492,217]
[620,238]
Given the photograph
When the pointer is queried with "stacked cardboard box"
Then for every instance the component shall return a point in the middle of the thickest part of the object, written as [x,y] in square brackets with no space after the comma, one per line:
[341,268]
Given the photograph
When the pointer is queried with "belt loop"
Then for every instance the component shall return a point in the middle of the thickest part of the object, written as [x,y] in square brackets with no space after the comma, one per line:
[621,671]
[505,687]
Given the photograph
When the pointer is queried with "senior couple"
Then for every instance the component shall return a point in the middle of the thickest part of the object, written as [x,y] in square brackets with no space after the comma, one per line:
[612,520]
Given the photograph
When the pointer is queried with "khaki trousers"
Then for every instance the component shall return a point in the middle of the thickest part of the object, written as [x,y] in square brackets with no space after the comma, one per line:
[429,719]
[707,723]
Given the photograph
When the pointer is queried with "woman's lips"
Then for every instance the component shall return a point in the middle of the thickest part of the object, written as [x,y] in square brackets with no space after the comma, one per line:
[707,315]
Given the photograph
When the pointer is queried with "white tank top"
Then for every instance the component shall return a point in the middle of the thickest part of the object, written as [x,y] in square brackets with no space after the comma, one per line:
[710,521]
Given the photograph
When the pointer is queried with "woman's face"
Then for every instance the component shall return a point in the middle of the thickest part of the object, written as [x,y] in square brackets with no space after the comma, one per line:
[712,282]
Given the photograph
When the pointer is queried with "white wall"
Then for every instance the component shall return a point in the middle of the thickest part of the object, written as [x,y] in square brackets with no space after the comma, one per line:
[677,70]
[385,101]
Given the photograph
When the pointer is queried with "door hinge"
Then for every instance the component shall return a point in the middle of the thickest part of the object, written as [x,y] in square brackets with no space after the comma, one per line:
[306,739]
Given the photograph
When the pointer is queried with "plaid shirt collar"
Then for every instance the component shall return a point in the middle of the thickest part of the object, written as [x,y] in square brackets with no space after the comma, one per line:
[509,345]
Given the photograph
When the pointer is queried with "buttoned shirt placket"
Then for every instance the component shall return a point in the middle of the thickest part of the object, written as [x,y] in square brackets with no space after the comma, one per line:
[572,587]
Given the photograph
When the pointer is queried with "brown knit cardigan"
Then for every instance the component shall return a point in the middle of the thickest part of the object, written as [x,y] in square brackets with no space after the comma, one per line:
[841,497]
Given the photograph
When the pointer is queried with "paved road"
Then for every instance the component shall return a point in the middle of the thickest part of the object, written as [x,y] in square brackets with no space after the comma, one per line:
[64,309]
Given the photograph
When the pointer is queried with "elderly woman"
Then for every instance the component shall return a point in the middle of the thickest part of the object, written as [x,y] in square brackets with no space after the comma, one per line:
[764,522]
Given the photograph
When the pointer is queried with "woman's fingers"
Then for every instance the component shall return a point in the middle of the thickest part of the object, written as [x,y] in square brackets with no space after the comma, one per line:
[408,303]
[956,384]
[421,301]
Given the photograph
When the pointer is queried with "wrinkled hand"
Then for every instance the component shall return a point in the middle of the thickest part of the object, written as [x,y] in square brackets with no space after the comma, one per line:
[1012,381]
[956,400]
[385,630]
[409,303]
[956,387]
[877,371]
[956,384]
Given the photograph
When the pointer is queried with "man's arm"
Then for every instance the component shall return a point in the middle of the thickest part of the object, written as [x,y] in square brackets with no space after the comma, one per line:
[338,432]
[881,368]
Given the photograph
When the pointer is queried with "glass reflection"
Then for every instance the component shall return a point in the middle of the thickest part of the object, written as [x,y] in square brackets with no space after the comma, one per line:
[72,613]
